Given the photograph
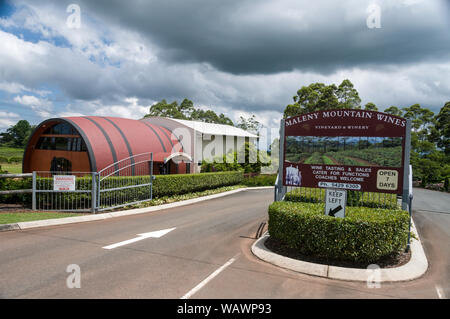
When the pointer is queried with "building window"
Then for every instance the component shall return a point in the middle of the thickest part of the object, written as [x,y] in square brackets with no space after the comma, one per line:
[74,144]
[61,129]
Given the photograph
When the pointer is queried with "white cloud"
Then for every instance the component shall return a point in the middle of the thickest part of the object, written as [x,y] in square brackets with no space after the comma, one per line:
[110,70]
[42,107]
[7,119]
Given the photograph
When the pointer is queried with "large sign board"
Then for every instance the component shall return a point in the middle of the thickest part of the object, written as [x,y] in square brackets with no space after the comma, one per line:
[348,149]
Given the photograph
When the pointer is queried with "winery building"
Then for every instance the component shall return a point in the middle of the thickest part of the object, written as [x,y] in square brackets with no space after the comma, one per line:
[91,143]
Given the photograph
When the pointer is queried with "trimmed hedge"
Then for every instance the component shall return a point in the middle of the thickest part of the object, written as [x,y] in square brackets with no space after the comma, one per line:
[354,198]
[16,183]
[163,185]
[177,184]
[260,180]
[364,235]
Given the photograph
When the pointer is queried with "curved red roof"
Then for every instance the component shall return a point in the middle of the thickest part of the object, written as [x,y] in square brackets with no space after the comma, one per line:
[111,139]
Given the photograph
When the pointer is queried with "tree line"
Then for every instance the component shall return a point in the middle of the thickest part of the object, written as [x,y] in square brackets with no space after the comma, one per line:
[430,136]
[17,135]
[187,111]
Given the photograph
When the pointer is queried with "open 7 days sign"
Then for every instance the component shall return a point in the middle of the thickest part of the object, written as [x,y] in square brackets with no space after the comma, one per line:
[346,149]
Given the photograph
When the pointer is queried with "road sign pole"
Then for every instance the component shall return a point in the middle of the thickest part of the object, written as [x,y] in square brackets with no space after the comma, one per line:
[410,198]
[94,192]
[151,175]
[33,204]
[280,189]
[406,171]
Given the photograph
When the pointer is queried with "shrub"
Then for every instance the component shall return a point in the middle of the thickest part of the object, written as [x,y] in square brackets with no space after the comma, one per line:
[354,198]
[4,159]
[163,185]
[306,194]
[260,180]
[364,235]
[177,184]
[15,160]
[12,184]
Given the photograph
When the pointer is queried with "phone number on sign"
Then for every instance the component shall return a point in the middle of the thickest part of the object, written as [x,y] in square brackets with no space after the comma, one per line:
[340,185]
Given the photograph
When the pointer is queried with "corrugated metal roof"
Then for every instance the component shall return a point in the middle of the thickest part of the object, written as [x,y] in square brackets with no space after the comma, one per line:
[111,139]
[214,129]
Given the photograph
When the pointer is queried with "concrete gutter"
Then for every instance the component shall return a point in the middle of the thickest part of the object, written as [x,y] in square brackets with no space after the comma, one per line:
[102,216]
[415,268]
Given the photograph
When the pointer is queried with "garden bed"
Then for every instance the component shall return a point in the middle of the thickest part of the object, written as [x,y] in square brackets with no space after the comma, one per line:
[364,236]
[391,261]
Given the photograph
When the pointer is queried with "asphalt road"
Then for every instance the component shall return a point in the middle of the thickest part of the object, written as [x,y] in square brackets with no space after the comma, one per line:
[207,256]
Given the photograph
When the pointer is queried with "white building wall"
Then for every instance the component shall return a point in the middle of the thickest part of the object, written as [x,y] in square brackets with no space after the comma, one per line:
[204,146]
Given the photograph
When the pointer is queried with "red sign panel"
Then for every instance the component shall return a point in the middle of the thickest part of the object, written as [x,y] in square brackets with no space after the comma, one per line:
[349,149]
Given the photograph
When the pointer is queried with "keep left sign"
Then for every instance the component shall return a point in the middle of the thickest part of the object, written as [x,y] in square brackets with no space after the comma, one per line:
[64,182]
[335,202]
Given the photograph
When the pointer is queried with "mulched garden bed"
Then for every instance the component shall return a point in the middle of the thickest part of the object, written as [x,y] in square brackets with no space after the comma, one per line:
[386,262]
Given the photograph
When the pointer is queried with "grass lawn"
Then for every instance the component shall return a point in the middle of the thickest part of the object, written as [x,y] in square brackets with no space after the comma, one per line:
[11,151]
[5,155]
[9,218]
[12,168]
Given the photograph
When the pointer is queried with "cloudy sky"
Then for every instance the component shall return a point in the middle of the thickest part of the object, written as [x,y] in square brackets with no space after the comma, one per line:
[237,57]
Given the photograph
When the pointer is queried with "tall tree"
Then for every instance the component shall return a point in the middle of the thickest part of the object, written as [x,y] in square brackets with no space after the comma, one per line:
[210,116]
[443,128]
[348,96]
[421,118]
[318,96]
[250,124]
[17,135]
[186,111]
[165,109]
[187,108]
[393,110]
[370,107]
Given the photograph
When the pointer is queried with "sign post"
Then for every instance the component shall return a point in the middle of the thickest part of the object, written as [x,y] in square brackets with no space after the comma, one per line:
[347,149]
[356,150]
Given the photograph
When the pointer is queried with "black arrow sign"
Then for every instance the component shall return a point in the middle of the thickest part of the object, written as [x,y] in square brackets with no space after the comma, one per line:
[334,211]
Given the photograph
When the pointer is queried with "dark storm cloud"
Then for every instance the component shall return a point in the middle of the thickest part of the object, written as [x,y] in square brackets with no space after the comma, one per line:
[233,56]
[243,37]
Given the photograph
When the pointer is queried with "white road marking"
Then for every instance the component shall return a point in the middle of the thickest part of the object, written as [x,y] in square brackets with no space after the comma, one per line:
[209,278]
[440,292]
[153,234]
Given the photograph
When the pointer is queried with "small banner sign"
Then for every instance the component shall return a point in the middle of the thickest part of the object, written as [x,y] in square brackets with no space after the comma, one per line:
[348,149]
[64,182]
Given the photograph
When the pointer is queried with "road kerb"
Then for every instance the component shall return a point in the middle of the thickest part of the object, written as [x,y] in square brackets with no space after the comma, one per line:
[415,268]
[102,216]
